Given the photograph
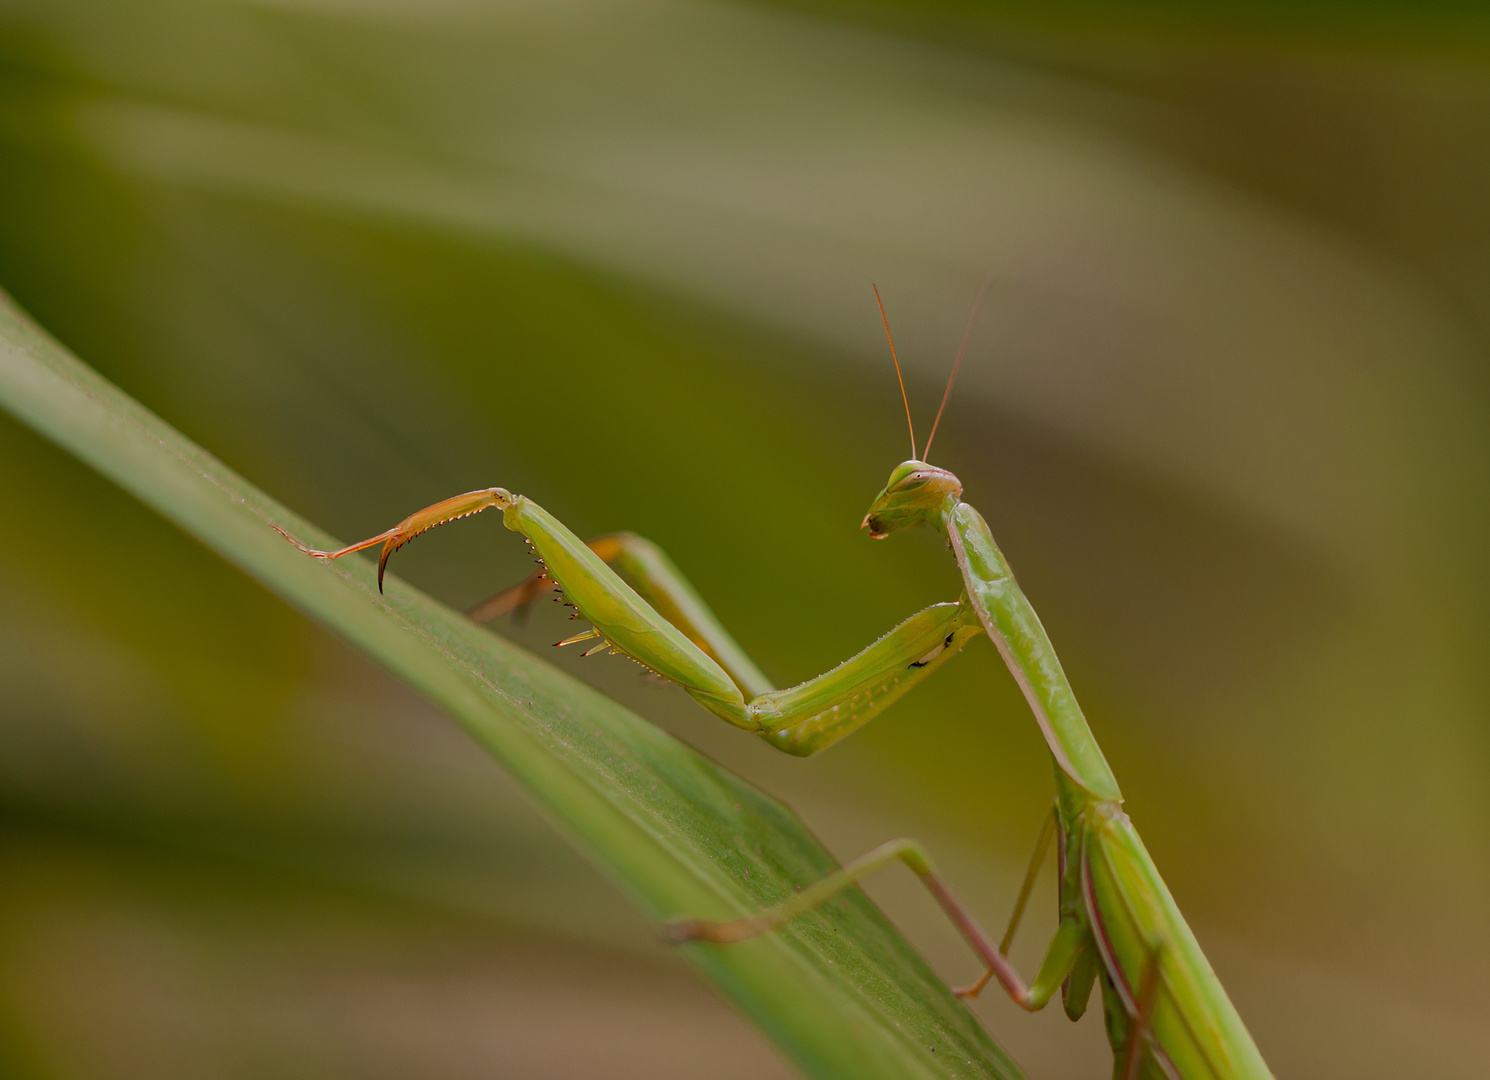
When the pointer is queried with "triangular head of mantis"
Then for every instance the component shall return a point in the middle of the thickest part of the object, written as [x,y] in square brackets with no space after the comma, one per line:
[916,494]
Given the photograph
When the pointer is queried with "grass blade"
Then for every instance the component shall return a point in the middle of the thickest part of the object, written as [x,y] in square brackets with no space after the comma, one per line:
[839,991]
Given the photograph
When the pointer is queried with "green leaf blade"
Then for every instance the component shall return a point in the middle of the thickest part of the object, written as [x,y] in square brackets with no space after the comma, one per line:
[839,990]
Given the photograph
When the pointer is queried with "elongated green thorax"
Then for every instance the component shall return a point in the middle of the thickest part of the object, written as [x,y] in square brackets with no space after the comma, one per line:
[919,494]
[1011,622]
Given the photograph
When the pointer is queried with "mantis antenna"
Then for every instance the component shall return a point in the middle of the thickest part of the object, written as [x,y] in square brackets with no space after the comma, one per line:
[966,334]
[898,376]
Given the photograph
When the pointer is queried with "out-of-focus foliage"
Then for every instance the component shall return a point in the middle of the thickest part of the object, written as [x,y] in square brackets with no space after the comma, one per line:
[1226,411]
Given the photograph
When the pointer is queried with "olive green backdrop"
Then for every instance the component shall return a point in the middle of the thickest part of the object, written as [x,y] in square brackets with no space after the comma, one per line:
[1226,410]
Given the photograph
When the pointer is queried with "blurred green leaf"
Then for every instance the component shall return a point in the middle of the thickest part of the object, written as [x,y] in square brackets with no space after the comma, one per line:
[840,991]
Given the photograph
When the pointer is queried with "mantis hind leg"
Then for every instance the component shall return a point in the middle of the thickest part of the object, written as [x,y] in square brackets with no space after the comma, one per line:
[1037,857]
[1081,975]
[1063,951]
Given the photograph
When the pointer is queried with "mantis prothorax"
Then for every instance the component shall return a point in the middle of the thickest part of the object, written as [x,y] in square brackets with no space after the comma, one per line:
[1167,1014]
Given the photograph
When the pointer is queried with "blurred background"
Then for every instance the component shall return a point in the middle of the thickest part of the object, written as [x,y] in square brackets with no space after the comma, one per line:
[1226,410]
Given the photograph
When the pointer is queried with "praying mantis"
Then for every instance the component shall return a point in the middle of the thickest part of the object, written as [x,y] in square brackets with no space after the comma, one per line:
[1166,1013]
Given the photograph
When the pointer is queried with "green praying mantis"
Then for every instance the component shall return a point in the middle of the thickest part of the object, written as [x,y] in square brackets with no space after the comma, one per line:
[1166,1013]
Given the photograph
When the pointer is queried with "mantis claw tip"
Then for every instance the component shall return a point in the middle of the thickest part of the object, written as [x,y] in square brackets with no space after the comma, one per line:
[389,547]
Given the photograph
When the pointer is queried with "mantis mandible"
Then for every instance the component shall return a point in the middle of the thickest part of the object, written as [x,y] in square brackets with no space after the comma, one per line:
[1166,1013]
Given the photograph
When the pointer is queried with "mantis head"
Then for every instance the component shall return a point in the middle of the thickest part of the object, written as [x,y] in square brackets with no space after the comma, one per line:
[916,494]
